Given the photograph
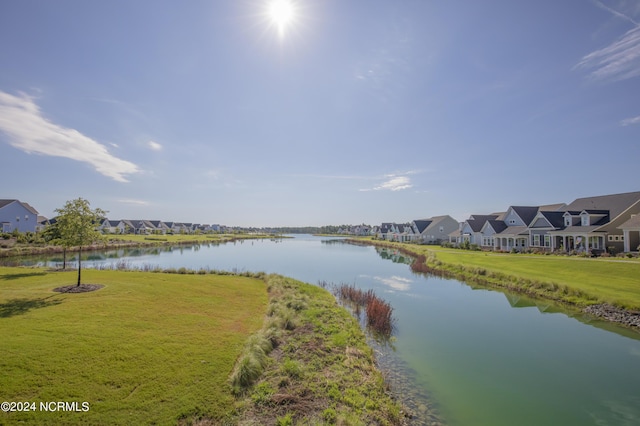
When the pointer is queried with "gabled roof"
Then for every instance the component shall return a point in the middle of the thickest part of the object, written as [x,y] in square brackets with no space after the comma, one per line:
[497,225]
[422,224]
[526,213]
[4,203]
[556,219]
[478,221]
[616,204]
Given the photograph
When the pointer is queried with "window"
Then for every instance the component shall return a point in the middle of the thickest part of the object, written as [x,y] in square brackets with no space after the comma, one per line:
[547,241]
[567,221]
[584,220]
[536,240]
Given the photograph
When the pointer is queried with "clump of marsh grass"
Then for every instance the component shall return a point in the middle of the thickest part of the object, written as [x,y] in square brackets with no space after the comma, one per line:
[251,364]
[379,313]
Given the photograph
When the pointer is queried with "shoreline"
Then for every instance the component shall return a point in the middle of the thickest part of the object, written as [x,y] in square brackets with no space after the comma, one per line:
[547,291]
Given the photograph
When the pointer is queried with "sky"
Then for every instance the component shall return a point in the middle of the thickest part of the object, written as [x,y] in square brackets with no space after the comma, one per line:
[339,112]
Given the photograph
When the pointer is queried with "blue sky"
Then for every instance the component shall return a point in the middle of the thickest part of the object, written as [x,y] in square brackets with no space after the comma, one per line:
[355,111]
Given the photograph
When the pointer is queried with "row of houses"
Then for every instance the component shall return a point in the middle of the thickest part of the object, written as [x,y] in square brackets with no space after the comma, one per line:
[125,226]
[590,224]
[20,216]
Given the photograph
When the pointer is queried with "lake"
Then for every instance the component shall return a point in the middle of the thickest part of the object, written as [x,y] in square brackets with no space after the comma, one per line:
[475,356]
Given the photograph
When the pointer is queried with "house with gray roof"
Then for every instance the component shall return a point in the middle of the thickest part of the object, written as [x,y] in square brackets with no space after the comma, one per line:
[594,223]
[434,230]
[17,215]
[515,234]
[471,229]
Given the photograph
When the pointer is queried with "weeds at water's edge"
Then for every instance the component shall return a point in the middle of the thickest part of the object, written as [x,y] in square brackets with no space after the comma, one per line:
[379,313]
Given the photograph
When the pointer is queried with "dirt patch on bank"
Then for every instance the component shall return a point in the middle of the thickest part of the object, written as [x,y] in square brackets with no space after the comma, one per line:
[82,288]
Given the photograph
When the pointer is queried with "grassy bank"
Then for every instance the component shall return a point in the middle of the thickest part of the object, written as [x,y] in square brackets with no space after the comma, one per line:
[11,249]
[158,348]
[310,364]
[574,280]
[146,348]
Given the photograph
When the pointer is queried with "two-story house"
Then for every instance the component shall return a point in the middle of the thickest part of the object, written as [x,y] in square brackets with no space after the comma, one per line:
[17,215]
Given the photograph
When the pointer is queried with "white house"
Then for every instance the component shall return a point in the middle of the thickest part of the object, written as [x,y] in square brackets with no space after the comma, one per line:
[15,214]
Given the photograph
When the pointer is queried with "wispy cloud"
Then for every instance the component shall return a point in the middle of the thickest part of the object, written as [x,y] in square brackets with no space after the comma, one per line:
[630,121]
[394,182]
[135,202]
[618,61]
[615,12]
[154,146]
[28,130]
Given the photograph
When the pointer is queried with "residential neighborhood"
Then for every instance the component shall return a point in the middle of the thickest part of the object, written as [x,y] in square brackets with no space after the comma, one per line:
[594,225]
[590,224]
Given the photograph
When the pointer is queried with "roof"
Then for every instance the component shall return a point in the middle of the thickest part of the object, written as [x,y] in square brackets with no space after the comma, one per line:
[422,224]
[526,213]
[514,230]
[497,225]
[634,222]
[4,203]
[576,229]
[478,221]
[616,204]
[556,219]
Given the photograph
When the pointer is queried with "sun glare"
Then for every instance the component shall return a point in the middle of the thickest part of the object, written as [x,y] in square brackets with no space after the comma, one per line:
[281,13]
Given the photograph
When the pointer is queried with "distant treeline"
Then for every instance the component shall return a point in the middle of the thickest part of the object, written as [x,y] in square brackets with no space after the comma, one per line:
[329,229]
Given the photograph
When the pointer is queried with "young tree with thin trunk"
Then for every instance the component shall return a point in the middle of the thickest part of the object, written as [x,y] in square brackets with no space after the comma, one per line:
[77,226]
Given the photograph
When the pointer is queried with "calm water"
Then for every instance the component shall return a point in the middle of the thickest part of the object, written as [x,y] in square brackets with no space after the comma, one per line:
[484,357]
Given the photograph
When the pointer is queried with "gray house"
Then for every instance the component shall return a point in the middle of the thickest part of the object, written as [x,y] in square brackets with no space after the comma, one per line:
[434,230]
[596,223]
[16,215]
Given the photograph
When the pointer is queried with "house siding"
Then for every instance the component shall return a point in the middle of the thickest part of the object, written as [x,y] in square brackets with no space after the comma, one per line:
[15,215]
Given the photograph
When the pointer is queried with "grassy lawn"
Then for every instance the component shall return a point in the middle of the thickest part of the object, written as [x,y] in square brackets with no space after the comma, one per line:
[611,280]
[146,348]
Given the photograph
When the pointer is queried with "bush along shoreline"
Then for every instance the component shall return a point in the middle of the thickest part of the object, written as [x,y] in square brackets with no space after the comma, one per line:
[574,298]
[310,364]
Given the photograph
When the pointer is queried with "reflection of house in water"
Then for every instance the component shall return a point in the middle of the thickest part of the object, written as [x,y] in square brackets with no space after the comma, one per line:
[520,301]
[394,255]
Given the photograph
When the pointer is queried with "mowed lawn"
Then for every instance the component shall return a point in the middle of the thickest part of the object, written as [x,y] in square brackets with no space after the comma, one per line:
[608,279]
[148,348]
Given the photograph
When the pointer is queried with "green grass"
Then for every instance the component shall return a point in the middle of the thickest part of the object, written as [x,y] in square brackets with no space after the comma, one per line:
[572,279]
[146,348]
[320,368]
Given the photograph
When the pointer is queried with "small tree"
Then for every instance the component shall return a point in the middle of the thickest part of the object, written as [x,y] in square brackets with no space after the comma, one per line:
[76,226]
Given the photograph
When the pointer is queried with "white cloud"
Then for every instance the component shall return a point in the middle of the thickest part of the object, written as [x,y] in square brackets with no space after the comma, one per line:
[395,282]
[135,202]
[28,130]
[155,146]
[394,182]
[618,61]
[630,121]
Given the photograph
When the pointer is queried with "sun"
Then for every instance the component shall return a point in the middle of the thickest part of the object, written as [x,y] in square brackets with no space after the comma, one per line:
[282,14]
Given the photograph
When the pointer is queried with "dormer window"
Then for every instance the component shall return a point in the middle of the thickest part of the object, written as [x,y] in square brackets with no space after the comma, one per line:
[584,220]
[567,221]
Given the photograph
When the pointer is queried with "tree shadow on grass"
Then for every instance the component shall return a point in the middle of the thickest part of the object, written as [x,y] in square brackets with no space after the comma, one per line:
[14,307]
[24,275]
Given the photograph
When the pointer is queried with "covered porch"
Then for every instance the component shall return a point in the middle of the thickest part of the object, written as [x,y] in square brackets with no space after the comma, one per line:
[579,242]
